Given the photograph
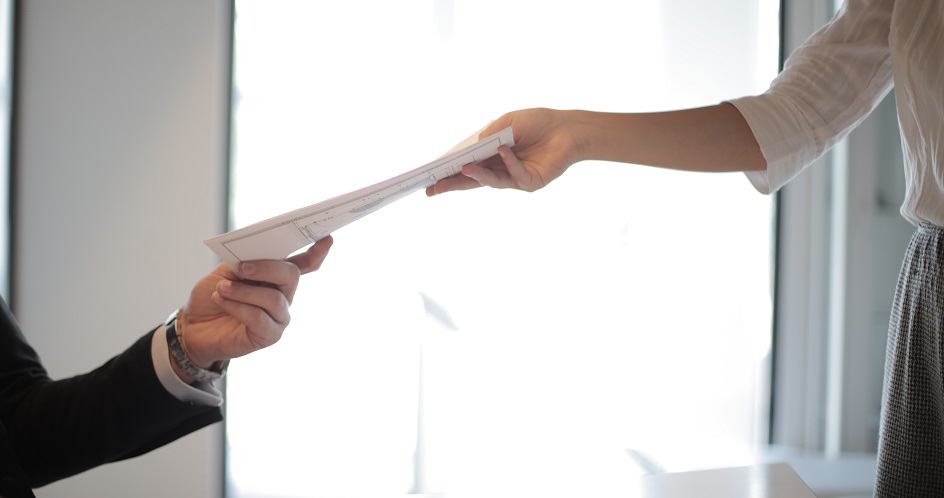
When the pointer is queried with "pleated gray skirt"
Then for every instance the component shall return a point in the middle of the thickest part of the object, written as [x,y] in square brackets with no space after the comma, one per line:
[911,438]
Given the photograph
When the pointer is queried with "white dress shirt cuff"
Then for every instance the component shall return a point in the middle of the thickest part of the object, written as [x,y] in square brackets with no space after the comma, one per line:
[201,394]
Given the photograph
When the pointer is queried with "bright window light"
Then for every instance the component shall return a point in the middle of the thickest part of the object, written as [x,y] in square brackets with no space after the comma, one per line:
[495,342]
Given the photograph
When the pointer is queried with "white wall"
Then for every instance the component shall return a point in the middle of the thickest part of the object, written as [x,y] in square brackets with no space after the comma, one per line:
[120,174]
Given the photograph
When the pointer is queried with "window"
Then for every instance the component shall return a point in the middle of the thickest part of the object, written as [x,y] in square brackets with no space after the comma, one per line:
[6,86]
[498,342]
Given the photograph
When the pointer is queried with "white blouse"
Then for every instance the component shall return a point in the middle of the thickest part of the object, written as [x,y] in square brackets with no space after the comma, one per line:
[838,76]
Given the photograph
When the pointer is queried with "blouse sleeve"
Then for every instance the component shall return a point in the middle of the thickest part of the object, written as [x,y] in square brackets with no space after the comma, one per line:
[828,86]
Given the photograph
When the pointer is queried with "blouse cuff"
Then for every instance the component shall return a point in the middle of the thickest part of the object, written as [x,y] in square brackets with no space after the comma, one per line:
[206,394]
[784,138]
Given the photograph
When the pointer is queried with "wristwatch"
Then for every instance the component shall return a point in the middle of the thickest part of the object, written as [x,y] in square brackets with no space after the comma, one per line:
[216,370]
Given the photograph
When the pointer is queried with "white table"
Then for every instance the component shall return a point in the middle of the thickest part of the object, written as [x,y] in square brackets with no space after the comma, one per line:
[776,480]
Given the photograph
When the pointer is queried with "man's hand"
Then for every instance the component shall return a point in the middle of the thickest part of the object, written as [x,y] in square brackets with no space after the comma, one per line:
[232,314]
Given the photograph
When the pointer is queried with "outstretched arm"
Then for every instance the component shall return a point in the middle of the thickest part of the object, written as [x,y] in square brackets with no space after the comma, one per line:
[121,409]
[547,142]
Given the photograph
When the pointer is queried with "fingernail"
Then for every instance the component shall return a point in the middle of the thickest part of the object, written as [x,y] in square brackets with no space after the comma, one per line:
[247,268]
[225,286]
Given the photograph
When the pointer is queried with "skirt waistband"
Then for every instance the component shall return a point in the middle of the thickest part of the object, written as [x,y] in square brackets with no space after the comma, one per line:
[930,229]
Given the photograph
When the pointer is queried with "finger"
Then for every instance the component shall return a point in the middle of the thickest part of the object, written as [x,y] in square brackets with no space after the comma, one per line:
[495,126]
[281,275]
[312,259]
[449,184]
[246,300]
[485,176]
[519,175]
[495,172]
[262,329]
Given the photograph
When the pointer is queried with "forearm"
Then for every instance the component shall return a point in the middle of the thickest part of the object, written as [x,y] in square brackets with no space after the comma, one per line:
[118,411]
[710,139]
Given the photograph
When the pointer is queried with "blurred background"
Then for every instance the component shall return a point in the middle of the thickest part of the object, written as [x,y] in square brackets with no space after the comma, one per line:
[623,321]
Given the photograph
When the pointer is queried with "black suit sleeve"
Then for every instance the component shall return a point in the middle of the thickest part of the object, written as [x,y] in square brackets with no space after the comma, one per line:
[60,428]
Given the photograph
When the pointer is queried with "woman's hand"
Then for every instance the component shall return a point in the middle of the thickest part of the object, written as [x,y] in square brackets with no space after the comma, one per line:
[546,144]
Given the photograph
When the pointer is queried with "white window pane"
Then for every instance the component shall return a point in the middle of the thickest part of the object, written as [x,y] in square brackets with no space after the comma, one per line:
[621,308]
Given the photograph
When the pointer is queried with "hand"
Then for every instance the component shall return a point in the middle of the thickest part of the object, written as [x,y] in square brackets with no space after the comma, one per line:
[546,144]
[230,315]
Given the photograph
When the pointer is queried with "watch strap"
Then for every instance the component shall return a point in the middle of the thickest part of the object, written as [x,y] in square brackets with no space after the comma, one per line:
[179,356]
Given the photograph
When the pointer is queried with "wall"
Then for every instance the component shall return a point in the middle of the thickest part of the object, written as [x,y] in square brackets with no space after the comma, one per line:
[121,142]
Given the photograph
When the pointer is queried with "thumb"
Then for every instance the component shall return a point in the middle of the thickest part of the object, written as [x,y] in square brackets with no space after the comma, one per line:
[311,259]
[494,126]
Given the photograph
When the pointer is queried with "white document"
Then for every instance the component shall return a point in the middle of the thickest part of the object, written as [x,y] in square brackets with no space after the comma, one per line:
[280,236]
